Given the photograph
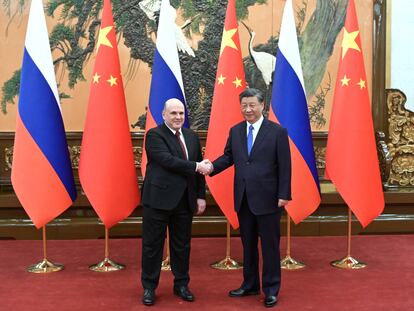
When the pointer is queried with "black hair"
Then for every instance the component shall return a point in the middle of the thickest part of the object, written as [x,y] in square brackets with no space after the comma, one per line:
[251,92]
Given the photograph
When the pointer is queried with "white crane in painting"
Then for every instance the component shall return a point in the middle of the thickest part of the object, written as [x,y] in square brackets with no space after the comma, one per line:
[150,7]
[265,62]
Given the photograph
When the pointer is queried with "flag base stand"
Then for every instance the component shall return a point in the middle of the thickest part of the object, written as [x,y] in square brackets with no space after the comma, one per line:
[165,265]
[348,262]
[227,264]
[45,267]
[288,263]
[107,265]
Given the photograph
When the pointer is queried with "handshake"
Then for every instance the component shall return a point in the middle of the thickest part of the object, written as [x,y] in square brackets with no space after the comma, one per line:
[204,167]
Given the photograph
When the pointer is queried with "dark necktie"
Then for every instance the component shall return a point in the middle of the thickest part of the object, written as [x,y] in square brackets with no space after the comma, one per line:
[177,134]
[250,139]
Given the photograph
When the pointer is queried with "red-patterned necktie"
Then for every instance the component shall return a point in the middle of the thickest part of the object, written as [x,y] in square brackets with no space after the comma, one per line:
[177,134]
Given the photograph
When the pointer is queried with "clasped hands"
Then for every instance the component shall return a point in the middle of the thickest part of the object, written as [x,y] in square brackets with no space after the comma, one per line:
[205,167]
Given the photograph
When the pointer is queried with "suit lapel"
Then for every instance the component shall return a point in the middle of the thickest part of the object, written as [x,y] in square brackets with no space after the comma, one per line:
[260,136]
[243,137]
[188,144]
[172,139]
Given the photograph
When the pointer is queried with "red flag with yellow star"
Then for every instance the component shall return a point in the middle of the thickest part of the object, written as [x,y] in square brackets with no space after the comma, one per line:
[225,111]
[106,168]
[351,156]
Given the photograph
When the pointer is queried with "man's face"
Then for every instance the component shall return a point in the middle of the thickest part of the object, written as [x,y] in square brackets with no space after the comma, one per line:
[174,114]
[251,108]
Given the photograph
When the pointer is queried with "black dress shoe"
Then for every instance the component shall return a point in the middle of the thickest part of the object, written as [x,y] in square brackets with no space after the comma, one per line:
[184,293]
[270,301]
[148,298]
[240,292]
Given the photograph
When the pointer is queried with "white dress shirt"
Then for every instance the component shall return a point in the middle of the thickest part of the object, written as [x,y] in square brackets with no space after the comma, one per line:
[256,128]
[181,137]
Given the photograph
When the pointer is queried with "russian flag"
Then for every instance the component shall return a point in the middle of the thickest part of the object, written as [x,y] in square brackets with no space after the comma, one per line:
[167,81]
[41,174]
[289,108]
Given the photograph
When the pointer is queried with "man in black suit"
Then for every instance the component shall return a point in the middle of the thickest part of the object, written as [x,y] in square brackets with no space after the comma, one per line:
[259,150]
[172,191]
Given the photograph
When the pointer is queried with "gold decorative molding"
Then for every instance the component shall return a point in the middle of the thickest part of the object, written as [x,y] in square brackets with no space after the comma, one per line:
[74,154]
[401,140]
[384,158]
[320,153]
[137,156]
[8,158]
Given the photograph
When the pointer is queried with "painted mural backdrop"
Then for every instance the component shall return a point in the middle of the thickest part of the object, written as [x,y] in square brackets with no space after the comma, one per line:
[73,27]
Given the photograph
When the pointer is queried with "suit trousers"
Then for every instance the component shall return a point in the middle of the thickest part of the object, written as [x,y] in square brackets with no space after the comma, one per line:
[267,227]
[155,222]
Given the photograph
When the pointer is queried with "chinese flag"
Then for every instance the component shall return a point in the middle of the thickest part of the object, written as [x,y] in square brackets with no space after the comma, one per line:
[351,156]
[225,111]
[106,169]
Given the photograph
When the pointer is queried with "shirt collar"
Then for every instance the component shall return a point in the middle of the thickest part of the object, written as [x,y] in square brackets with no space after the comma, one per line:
[257,124]
[172,130]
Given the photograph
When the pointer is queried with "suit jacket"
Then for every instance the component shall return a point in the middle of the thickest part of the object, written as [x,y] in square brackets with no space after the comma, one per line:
[168,174]
[265,175]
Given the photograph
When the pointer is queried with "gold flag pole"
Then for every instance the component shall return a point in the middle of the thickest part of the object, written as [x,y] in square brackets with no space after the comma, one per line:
[165,265]
[227,263]
[45,266]
[107,265]
[348,262]
[288,263]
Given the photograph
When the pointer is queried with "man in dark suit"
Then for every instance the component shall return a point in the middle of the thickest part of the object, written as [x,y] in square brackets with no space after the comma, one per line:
[259,150]
[172,191]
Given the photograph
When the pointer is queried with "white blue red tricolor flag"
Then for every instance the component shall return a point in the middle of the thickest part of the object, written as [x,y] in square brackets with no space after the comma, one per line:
[289,108]
[166,79]
[41,171]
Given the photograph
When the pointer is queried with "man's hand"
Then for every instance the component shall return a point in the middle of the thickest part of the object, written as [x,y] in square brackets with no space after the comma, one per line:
[211,167]
[282,202]
[201,206]
[204,167]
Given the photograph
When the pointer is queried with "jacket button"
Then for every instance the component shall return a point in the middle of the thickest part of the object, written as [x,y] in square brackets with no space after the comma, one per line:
[247,163]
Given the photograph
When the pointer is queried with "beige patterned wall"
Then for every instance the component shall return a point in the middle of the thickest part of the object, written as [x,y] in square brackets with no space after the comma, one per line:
[264,19]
